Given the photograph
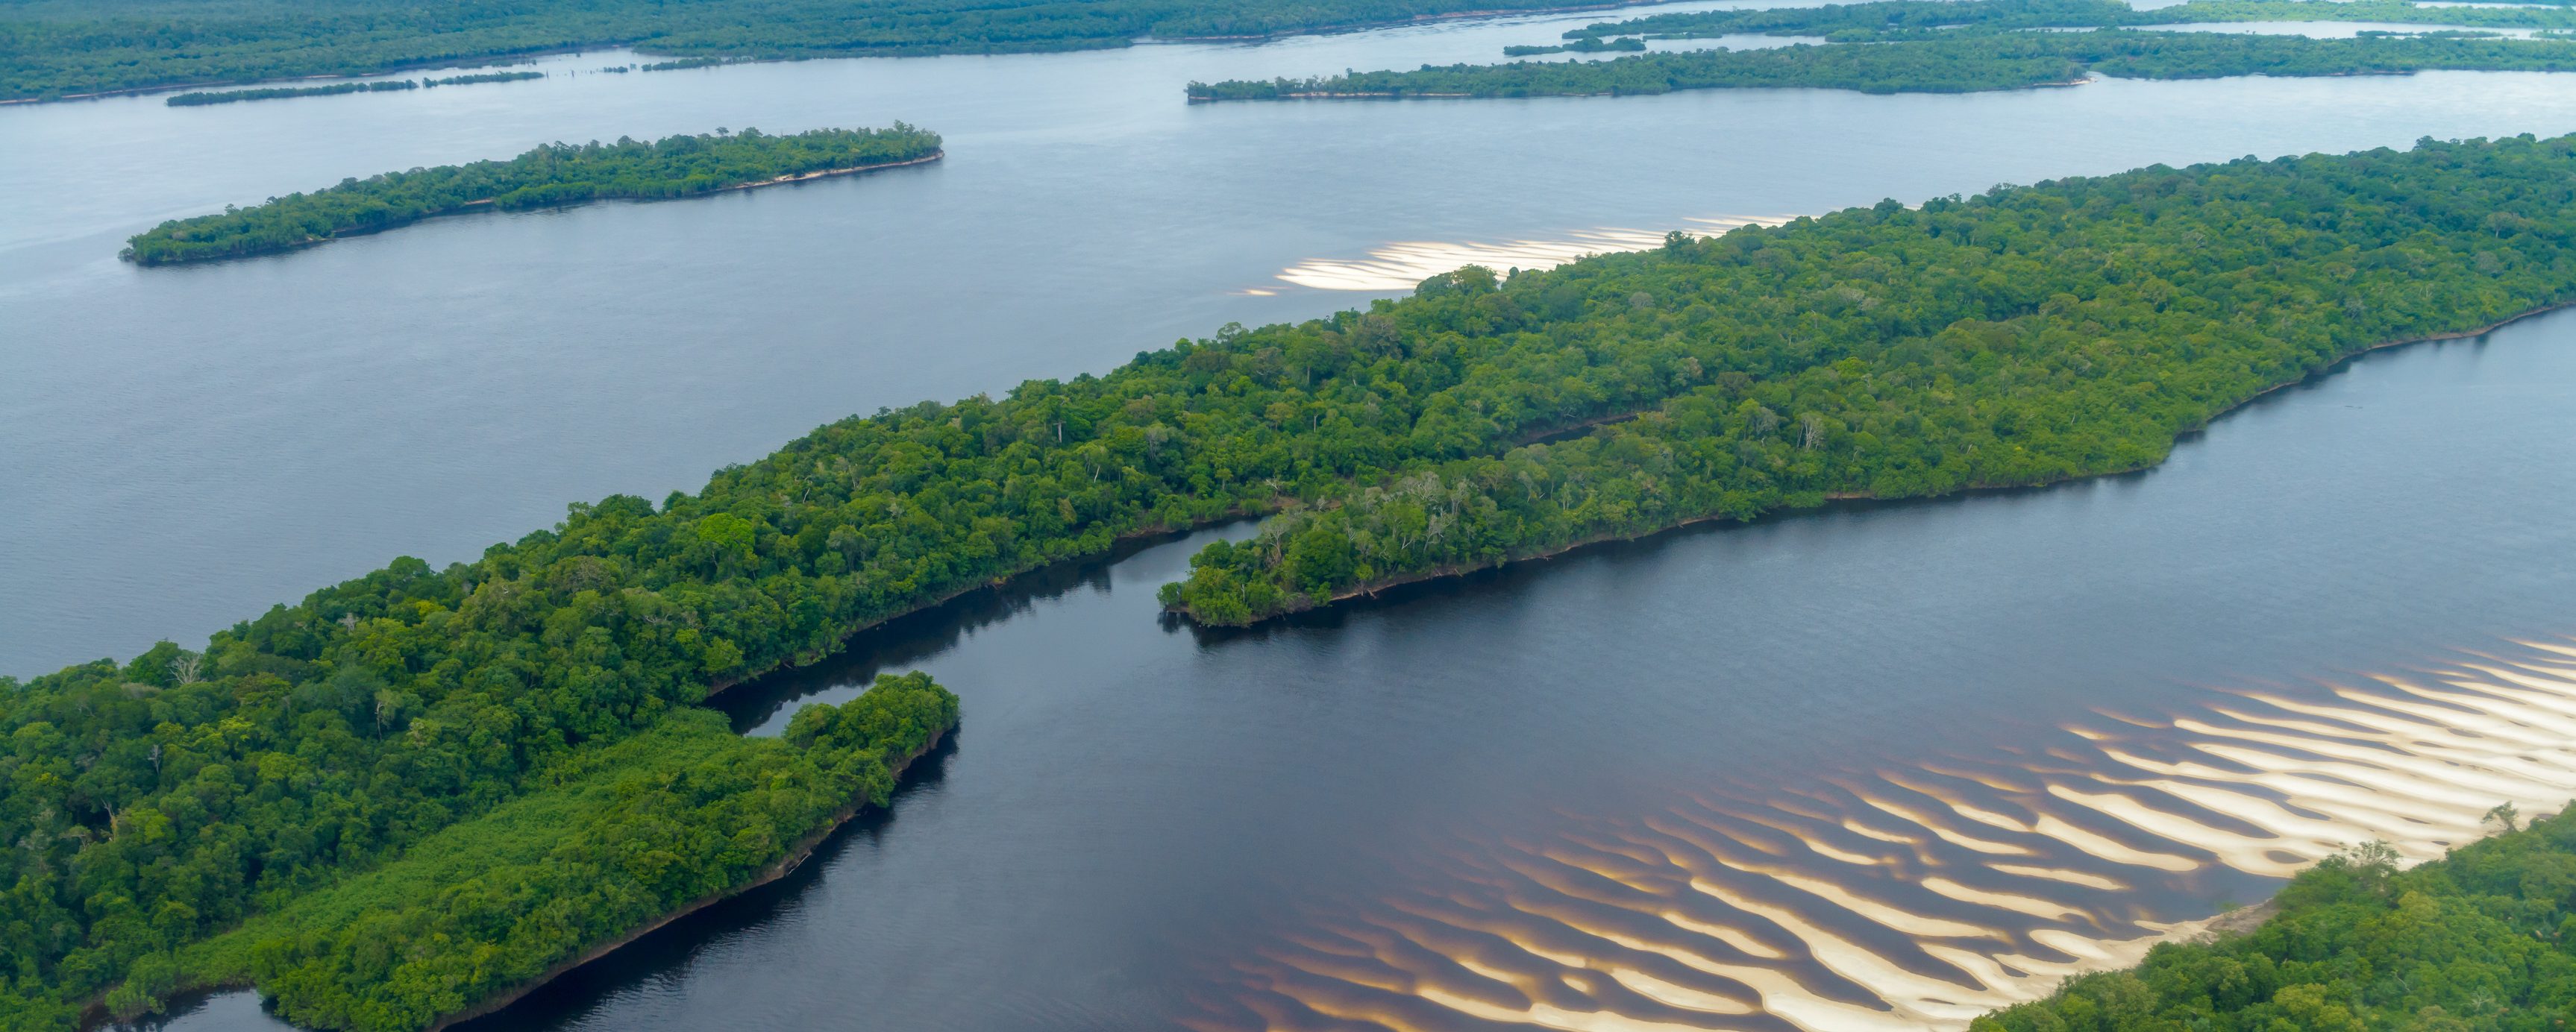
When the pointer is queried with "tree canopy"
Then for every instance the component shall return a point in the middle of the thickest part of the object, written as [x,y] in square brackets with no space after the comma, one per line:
[549,176]
[2481,940]
[57,48]
[1959,60]
[2021,336]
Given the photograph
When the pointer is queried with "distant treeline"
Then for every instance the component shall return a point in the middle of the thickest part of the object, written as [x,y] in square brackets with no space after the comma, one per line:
[551,175]
[1916,19]
[2482,939]
[1957,61]
[684,63]
[55,48]
[469,80]
[278,93]
[1585,45]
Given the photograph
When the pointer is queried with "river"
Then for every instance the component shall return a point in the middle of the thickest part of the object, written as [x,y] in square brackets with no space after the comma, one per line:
[1875,767]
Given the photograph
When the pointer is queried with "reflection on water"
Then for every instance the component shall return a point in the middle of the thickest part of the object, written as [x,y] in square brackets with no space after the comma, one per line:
[1920,894]
[1401,265]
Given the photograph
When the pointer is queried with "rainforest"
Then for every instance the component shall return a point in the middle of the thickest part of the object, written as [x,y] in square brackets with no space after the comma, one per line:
[2478,939]
[1929,61]
[549,176]
[59,48]
[2022,336]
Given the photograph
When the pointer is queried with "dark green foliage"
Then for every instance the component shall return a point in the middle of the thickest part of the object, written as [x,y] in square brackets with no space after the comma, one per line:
[555,174]
[1952,61]
[2026,335]
[469,80]
[683,63]
[1583,45]
[2482,939]
[617,839]
[55,48]
[2022,337]
[1900,19]
[281,93]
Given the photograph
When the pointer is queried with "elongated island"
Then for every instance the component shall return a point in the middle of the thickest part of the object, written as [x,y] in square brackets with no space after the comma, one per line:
[269,808]
[1940,46]
[554,175]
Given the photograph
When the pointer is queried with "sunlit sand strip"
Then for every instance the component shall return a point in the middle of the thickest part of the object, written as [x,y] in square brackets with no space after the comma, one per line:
[1402,265]
[1829,939]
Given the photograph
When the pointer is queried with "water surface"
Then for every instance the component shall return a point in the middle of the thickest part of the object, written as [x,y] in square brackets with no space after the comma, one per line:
[186,446]
[1873,767]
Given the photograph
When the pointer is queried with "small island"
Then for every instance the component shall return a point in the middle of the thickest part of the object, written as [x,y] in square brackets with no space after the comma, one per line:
[1583,45]
[554,175]
[202,99]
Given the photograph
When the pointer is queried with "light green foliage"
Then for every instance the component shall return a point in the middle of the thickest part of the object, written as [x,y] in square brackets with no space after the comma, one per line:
[552,175]
[2478,940]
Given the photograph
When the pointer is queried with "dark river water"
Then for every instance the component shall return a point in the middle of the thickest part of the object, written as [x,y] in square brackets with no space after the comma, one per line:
[1873,768]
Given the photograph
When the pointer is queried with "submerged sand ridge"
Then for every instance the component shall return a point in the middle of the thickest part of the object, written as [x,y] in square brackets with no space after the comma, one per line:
[1914,898]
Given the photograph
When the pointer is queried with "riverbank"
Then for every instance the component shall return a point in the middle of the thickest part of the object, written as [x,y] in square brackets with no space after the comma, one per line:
[1182,599]
[614,842]
[1971,61]
[781,868]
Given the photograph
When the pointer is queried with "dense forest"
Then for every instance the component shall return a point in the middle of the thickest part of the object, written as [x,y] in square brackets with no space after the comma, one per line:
[617,839]
[1943,61]
[57,48]
[283,92]
[1885,20]
[1583,45]
[549,176]
[2482,939]
[2022,336]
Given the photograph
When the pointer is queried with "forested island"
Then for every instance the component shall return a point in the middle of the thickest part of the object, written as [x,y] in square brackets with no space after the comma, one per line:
[70,48]
[2480,939]
[2021,337]
[284,92]
[280,93]
[1884,20]
[1943,61]
[256,810]
[1585,45]
[549,176]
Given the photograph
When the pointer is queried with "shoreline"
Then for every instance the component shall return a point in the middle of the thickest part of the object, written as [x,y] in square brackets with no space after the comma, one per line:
[526,56]
[484,204]
[1391,95]
[94,1016]
[777,869]
[1832,497]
